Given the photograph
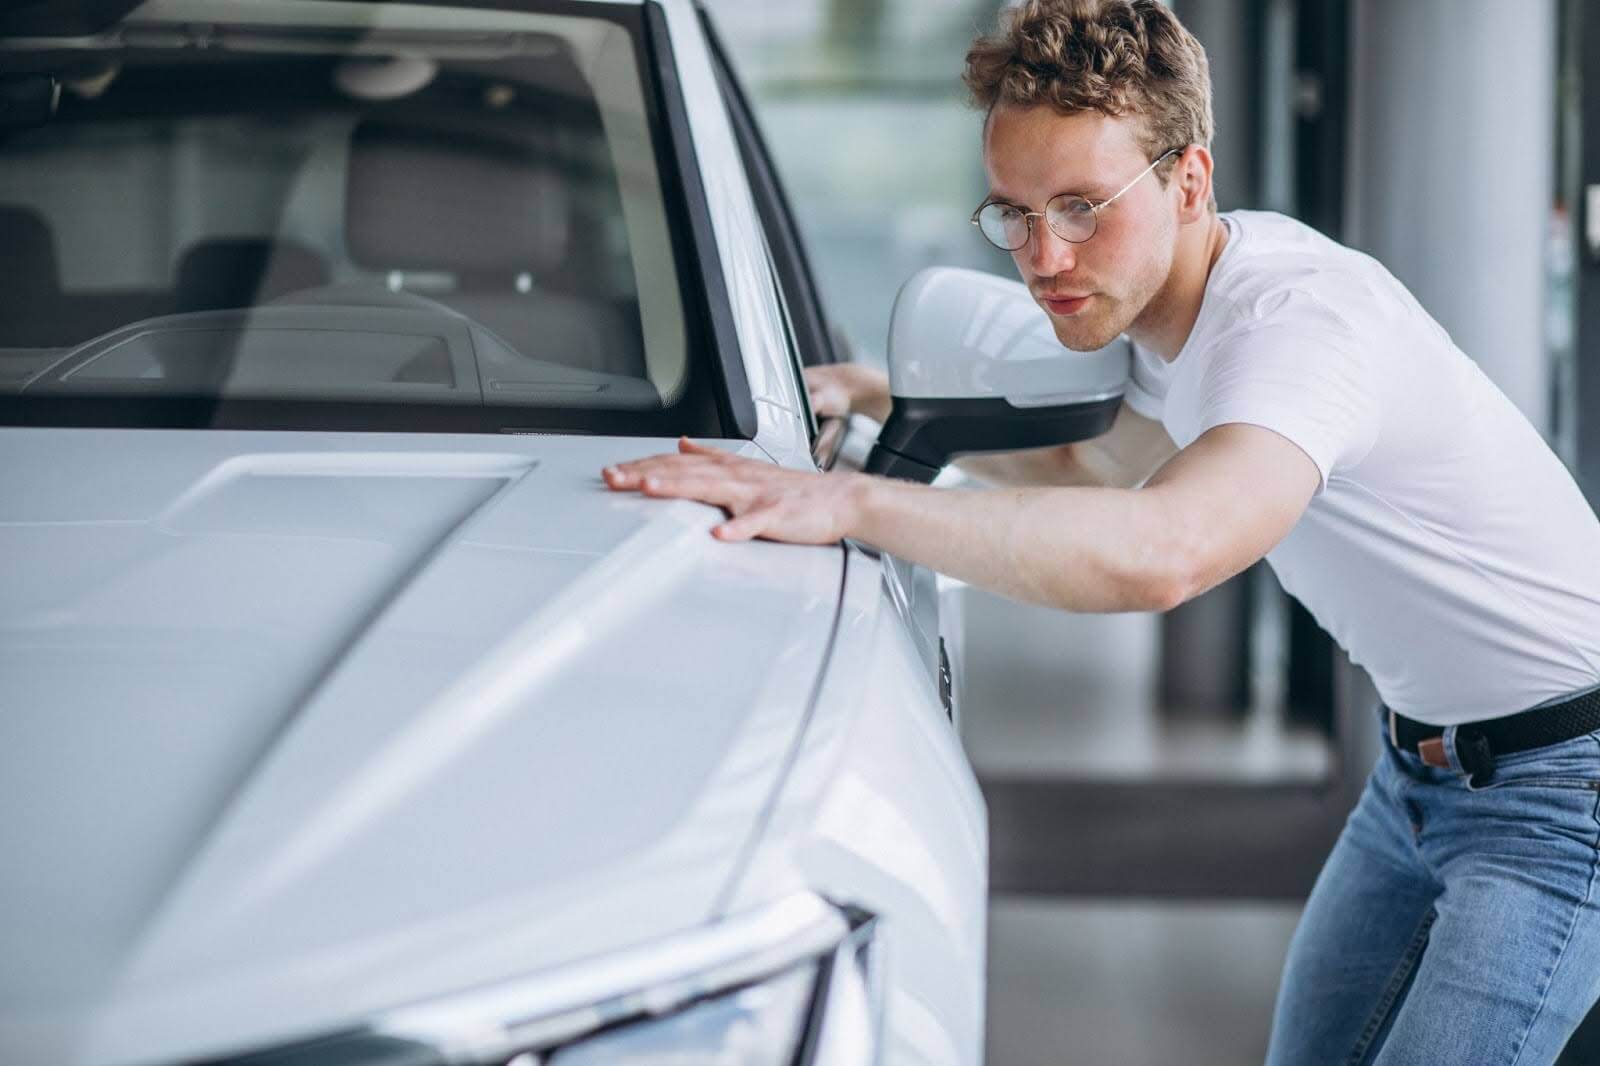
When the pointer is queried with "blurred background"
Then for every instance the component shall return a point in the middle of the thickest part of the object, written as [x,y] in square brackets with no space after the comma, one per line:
[1163,789]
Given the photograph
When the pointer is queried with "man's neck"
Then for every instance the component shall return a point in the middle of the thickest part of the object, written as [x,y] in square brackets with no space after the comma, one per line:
[1170,315]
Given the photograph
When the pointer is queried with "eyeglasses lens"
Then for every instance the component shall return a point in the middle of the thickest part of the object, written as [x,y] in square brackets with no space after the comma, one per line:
[1071,218]
[1003,226]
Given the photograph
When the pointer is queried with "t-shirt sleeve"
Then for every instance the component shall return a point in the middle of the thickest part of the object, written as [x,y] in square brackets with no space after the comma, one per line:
[1310,384]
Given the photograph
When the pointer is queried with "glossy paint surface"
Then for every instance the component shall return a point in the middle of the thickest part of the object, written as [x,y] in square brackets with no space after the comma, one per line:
[881,810]
[966,334]
[357,720]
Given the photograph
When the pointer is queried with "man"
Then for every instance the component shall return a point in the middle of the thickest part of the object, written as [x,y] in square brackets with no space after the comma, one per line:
[1327,424]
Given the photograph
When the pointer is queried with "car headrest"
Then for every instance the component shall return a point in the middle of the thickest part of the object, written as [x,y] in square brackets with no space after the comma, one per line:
[27,257]
[465,201]
[233,272]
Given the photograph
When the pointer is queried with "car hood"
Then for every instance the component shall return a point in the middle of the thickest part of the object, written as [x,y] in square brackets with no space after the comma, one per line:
[294,727]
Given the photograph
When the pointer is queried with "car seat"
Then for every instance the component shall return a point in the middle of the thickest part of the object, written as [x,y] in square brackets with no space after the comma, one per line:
[231,272]
[482,206]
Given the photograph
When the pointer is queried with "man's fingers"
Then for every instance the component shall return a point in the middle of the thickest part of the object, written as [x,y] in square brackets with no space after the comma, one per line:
[746,526]
[714,490]
[619,478]
[829,401]
[629,475]
[751,492]
[689,455]
[690,447]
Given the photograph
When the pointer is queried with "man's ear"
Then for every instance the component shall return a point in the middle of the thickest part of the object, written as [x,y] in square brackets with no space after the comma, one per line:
[1192,174]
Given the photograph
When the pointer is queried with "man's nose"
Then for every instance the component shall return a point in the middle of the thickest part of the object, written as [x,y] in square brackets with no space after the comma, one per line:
[1048,253]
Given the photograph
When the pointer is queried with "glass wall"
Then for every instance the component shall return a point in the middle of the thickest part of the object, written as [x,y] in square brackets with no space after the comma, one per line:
[862,105]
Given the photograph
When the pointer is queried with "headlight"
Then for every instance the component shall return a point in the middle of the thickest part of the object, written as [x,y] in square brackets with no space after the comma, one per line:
[794,983]
[760,1025]
[825,1013]
[847,1021]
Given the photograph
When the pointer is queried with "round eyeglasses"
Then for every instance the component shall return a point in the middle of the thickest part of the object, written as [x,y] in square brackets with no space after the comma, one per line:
[1071,217]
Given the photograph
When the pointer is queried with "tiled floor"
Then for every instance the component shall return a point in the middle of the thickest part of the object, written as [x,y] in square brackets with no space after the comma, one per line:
[1075,983]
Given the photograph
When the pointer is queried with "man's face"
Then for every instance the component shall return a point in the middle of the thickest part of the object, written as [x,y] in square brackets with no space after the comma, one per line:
[1096,290]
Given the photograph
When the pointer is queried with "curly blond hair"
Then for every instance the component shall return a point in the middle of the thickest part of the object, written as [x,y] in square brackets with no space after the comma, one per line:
[1117,57]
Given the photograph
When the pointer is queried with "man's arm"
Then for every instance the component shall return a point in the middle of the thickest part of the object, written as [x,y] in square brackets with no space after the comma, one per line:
[1209,512]
[1212,510]
[1123,457]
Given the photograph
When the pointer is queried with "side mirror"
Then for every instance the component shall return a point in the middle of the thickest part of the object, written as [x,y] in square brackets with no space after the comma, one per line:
[974,366]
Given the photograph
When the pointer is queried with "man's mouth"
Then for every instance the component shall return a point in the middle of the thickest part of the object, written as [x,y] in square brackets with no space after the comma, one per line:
[1064,305]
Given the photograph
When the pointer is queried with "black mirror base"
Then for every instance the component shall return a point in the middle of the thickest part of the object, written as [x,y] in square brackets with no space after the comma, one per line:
[923,435]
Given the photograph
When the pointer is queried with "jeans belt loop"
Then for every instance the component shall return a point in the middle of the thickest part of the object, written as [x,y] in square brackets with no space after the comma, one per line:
[1452,749]
[1433,752]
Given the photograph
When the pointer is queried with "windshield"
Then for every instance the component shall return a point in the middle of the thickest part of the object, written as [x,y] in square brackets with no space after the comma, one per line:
[359,216]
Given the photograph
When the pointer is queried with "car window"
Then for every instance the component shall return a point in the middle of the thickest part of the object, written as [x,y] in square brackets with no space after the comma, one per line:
[321,212]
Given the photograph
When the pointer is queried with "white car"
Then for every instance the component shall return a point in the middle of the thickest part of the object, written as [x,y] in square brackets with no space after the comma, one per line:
[345,717]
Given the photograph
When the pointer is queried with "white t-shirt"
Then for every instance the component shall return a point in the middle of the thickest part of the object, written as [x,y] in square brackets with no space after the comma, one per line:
[1447,548]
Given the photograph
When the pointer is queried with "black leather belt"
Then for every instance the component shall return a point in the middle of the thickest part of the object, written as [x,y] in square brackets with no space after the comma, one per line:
[1477,743]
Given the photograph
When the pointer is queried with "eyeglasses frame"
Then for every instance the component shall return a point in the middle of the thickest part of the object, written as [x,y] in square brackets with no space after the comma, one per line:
[1029,216]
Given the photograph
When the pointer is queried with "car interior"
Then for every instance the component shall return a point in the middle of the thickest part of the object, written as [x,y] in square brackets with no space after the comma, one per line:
[170,182]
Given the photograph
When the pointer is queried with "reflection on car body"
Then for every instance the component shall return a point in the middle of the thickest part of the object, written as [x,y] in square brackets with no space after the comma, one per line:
[346,716]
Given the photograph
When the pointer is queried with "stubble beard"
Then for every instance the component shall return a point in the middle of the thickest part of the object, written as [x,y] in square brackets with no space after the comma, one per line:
[1110,316]
[1088,333]
[1100,325]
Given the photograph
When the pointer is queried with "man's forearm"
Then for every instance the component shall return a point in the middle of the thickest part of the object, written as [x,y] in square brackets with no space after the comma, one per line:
[1123,458]
[1056,465]
[1083,549]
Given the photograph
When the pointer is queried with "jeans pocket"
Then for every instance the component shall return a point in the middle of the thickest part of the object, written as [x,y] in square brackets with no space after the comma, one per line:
[1536,776]
[1571,763]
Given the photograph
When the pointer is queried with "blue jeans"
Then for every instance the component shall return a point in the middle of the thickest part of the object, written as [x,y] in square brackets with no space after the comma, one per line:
[1452,923]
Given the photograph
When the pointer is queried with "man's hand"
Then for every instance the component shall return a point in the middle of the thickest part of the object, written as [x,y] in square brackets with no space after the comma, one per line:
[839,390]
[763,500]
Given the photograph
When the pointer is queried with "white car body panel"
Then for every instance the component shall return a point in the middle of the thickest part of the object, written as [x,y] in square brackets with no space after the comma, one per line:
[250,682]
[535,625]
[881,808]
